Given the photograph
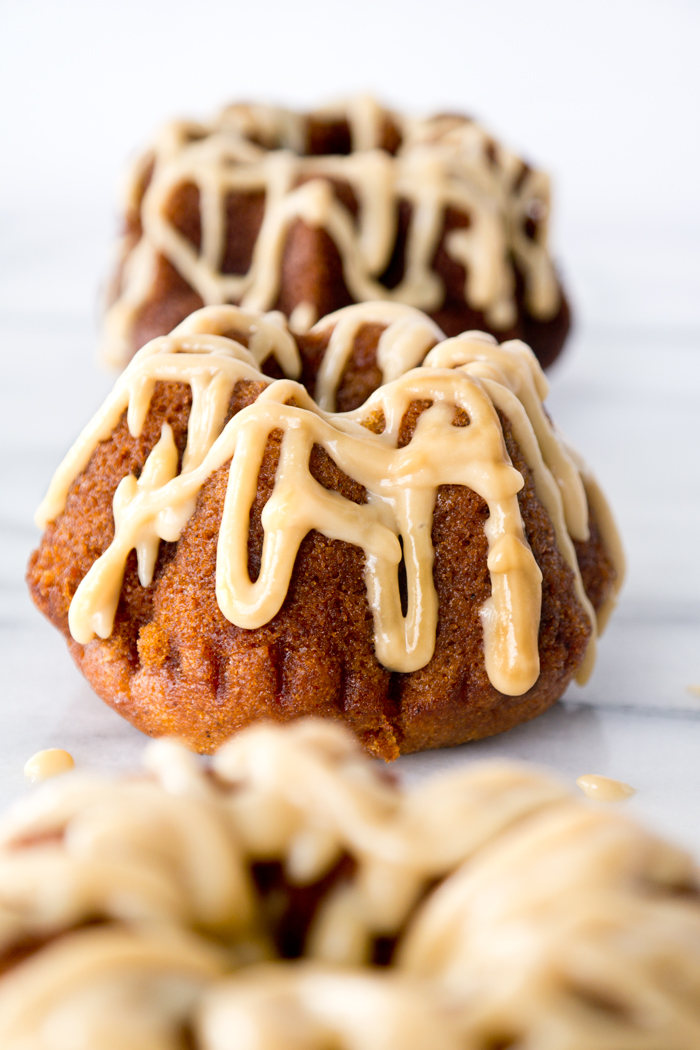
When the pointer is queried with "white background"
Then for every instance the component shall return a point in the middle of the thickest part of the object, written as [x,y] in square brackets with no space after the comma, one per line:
[603,94]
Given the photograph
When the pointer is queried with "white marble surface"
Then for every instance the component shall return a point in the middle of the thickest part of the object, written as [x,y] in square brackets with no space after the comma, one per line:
[616,132]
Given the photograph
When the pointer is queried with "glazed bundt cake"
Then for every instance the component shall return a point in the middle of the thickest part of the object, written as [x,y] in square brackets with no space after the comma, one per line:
[307,213]
[292,896]
[427,567]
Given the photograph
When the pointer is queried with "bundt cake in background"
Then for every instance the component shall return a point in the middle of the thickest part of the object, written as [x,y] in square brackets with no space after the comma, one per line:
[292,895]
[427,566]
[307,213]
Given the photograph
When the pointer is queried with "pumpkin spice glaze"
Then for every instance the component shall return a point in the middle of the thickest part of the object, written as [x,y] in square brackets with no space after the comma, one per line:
[309,212]
[292,894]
[429,565]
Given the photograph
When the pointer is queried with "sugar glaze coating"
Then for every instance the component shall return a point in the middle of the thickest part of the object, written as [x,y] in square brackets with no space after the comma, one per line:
[517,911]
[469,375]
[443,164]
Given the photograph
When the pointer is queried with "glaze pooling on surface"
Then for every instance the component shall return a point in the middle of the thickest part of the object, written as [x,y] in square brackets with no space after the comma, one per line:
[442,163]
[48,763]
[469,376]
[539,918]
[604,789]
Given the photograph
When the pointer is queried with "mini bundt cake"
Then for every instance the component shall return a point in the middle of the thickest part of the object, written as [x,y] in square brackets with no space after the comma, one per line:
[427,567]
[290,895]
[307,213]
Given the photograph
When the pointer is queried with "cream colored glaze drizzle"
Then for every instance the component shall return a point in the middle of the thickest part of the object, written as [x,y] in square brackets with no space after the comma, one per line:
[549,917]
[266,335]
[108,988]
[517,386]
[49,763]
[513,365]
[470,372]
[442,163]
[408,336]
[173,850]
[563,933]
[309,796]
[324,1007]
[153,856]
[604,789]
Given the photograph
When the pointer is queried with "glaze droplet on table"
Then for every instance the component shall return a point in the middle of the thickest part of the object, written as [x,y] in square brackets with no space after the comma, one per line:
[604,789]
[48,763]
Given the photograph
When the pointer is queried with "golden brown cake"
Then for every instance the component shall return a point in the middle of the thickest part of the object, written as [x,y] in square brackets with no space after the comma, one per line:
[292,895]
[428,567]
[307,213]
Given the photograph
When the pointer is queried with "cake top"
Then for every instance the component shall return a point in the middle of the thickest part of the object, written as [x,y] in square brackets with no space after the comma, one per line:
[348,170]
[461,386]
[518,911]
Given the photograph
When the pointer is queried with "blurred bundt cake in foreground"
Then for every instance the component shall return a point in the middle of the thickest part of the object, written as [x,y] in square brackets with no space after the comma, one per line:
[427,567]
[293,896]
[307,213]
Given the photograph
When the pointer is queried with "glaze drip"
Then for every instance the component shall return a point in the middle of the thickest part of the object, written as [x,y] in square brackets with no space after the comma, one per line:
[604,789]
